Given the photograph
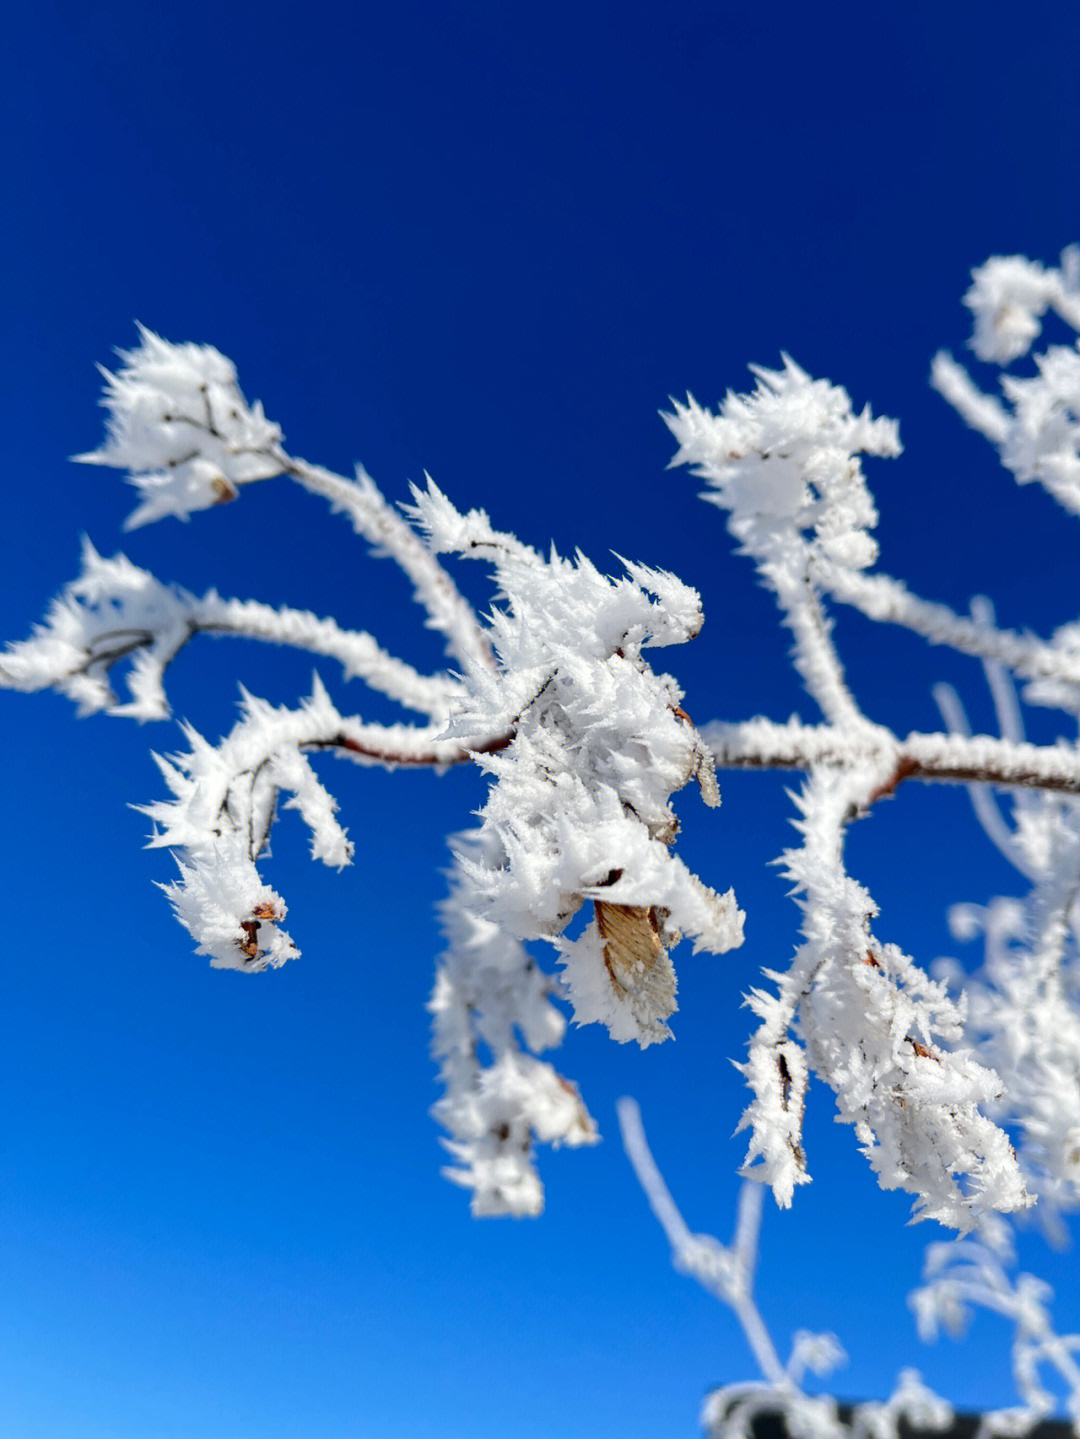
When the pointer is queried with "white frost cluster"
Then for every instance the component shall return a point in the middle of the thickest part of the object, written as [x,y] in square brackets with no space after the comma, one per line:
[1023,1003]
[1036,426]
[219,820]
[1008,297]
[731,1412]
[179,424]
[490,998]
[783,461]
[112,611]
[579,808]
[882,1034]
[958,1277]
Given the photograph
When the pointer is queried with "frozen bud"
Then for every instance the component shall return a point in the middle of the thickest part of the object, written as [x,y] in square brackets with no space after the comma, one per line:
[179,424]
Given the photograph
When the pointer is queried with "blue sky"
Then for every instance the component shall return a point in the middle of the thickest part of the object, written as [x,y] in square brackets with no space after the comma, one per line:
[488,241]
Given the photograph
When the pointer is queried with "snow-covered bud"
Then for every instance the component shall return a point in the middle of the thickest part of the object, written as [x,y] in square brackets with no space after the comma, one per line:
[179,424]
[1008,297]
[218,823]
[231,914]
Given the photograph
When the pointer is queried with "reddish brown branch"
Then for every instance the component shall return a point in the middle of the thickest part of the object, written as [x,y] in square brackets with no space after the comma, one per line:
[420,760]
[907,767]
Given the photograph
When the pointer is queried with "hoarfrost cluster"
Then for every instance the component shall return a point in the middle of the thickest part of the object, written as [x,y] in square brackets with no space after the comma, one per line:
[963,1090]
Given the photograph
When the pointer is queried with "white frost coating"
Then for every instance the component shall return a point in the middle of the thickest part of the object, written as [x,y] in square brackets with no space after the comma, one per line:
[874,1027]
[221,900]
[729,1412]
[727,1272]
[113,610]
[179,424]
[1044,434]
[585,746]
[761,743]
[1037,430]
[784,462]
[1060,689]
[116,611]
[391,537]
[1009,296]
[225,797]
[979,411]
[579,807]
[974,1273]
[490,995]
[1021,1012]
[885,599]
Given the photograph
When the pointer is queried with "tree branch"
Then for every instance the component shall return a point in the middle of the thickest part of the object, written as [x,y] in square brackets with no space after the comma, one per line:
[946,758]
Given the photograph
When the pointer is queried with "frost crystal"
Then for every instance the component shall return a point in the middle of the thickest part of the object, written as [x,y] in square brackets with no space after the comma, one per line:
[491,997]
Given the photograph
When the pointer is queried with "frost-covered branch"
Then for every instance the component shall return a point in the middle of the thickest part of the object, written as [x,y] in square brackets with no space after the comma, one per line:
[115,611]
[584,746]
[973,1272]
[878,1031]
[726,1272]
[1037,428]
[954,758]
[179,424]
[224,803]
[490,998]
[383,526]
[579,806]
[887,600]
[784,463]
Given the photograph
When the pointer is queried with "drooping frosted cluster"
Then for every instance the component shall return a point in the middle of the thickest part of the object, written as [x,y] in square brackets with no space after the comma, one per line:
[491,998]
[219,821]
[881,1033]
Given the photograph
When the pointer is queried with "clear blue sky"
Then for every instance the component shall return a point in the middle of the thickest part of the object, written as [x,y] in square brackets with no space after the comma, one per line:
[488,240]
